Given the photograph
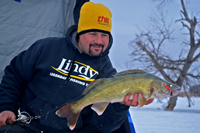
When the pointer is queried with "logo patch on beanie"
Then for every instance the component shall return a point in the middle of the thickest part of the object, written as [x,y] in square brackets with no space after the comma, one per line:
[103,20]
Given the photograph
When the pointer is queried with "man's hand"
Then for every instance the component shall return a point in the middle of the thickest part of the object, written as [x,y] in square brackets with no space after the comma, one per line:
[134,101]
[5,115]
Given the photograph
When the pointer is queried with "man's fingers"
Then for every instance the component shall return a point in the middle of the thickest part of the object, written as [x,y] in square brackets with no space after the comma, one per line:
[5,115]
[149,101]
[134,102]
[3,120]
[131,100]
[126,98]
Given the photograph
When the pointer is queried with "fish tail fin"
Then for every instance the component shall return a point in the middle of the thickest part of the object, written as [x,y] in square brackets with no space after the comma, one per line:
[72,117]
[141,100]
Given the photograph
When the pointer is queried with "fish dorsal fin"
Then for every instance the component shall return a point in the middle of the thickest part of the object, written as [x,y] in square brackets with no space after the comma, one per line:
[134,71]
[91,85]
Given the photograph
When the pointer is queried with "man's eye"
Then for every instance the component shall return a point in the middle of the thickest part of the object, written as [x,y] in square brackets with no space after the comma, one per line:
[105,35]
[92,33]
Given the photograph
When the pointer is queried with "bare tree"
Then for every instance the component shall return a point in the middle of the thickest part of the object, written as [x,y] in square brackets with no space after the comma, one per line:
[149,49]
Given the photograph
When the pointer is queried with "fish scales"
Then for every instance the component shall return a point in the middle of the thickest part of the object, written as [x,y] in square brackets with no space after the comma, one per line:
[104,91]
[116,86]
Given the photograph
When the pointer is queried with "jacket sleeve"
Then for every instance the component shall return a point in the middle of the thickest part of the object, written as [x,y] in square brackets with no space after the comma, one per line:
[15,80]
[115,114]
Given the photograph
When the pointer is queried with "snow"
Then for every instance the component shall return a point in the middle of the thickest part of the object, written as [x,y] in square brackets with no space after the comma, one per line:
[153,119]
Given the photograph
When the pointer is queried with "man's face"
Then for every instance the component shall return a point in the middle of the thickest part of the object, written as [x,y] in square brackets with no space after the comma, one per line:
[93,43]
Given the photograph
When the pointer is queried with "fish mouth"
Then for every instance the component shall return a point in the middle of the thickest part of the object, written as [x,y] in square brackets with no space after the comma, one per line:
[169,93]
[175,93]
[172,93]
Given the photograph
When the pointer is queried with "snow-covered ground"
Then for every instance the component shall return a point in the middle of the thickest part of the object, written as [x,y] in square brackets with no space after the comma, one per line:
[153,119]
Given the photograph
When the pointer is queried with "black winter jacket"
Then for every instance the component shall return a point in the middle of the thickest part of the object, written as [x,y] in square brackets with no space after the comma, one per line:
[36,80]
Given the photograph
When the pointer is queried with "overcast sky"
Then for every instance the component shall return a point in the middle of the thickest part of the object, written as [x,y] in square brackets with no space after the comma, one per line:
[128,16]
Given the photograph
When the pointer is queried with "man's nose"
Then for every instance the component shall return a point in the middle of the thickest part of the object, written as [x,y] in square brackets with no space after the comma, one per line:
[98,39]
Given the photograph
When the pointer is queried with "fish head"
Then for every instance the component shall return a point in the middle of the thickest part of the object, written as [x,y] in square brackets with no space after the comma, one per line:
[163,89]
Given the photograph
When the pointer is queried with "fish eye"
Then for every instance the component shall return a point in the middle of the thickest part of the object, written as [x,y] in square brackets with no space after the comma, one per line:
[166,86]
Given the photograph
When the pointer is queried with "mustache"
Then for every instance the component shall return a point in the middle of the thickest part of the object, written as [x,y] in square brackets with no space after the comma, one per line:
[95,44]
[99,45]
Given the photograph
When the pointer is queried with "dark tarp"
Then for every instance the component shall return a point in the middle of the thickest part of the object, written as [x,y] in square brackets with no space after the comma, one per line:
[22,23]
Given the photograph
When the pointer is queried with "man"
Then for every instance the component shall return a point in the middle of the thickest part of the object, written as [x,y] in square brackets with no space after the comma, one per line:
[55,71]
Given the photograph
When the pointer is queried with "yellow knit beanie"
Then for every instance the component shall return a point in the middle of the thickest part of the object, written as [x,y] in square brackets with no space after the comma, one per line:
[94,17]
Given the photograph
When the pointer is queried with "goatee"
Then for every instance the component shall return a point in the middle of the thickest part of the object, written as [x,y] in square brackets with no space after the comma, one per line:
[98,45]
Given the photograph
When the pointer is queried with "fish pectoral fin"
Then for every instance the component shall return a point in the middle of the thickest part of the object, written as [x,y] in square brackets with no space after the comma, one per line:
[142,101]
[99,108]
[151,90]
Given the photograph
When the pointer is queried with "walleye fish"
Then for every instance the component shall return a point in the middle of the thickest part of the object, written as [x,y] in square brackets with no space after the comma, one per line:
[101,92]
